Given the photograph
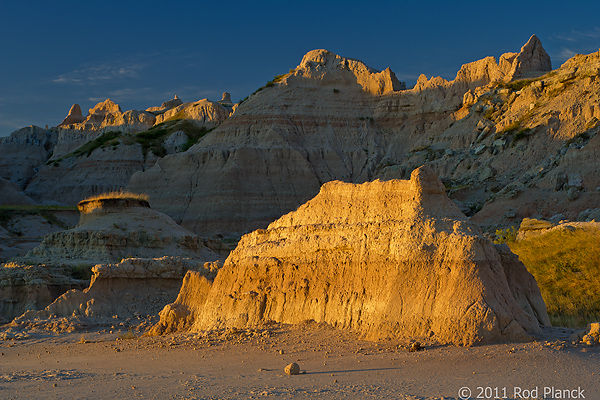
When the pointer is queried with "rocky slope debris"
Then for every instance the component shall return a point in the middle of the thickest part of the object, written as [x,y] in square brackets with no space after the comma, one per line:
[387,259]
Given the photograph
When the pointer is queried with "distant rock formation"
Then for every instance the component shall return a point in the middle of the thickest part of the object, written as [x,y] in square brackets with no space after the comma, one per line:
[24,153]
[226,100]
[387,259]
[74,117]
[72,179]
[167,105]
[331,68]
[130,288]
[532,60]
[107,116]
[112,229]
[203,112]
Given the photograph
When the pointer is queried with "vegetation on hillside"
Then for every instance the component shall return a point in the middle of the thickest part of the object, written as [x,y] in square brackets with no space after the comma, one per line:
[10,213]
[566,265]
[151,140]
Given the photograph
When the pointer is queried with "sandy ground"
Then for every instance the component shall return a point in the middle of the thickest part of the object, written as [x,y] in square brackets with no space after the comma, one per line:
[249,364]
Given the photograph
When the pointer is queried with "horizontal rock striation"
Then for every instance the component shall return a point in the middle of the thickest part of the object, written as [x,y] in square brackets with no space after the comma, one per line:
[330,118]
[132,287]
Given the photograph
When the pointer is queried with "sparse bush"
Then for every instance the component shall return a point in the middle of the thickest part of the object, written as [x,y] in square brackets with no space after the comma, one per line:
[129,335]
[81,271]
[506,236]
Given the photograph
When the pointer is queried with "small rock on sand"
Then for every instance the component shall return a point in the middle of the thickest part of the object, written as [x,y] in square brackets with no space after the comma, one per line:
[292,369]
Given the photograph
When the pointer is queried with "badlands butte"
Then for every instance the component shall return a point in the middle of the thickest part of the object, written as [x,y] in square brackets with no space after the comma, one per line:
[332,194]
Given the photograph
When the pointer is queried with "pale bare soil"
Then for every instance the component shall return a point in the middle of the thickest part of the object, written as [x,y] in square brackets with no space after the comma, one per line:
[249,364]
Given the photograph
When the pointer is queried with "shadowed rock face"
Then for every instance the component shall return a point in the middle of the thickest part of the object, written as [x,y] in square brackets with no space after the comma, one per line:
[387,259]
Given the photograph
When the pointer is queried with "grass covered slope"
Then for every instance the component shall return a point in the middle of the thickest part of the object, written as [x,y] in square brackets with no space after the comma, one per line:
[566,265]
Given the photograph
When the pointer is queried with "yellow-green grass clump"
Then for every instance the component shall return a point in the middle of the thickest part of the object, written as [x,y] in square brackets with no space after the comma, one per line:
[118,199]
[118,194]
[566,265]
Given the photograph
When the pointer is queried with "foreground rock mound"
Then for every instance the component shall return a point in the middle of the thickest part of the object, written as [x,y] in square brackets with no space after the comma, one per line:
[387,259]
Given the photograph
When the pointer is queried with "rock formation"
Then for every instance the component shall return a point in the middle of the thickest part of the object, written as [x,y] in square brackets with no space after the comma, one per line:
[130,245]
[112,229]
[71,179]
[387,259]
[132,287]
[506,147]
[531,228]
[10,194]
[32,287]
[23,153]
[74,117]
[329,118]
[203,112]
[167,105]
[108,116]
[226,100]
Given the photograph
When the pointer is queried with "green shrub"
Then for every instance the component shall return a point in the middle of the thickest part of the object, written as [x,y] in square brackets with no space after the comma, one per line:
[506,236]
[81,271]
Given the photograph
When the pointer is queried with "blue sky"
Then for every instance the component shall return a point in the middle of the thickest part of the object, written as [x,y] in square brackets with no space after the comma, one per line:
[56,53]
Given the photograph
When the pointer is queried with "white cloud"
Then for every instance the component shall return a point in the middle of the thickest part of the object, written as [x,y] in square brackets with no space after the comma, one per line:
[100,73]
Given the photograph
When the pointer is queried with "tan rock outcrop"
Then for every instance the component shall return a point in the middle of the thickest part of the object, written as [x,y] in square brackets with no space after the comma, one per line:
[108,116]
[179,316]
[331,68]
[74,117]
[202,112]
[167,105]
[387,259]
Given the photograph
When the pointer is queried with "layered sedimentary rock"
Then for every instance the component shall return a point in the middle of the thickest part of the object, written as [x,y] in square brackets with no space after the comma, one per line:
[10,194]
[138,253]
[203,112]
[23,153]
[132,287]
[108,116]
[72,179]
[32,287]
[387,259]
[329,118]
[112,229]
